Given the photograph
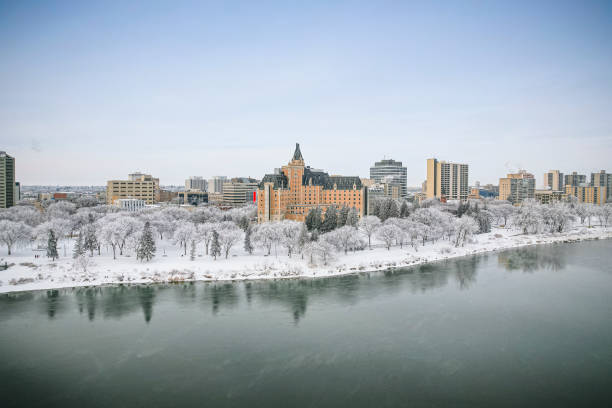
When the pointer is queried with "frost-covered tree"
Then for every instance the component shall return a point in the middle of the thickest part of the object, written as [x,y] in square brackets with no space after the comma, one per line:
[387,233]
[368,225]
[205,233]
[146,245]
[414,231]
[558,216]
[184,234]
[60,209]
[528,217]
[290,231]
[344,238]
[248,246]
[352,218]
[303,238]
[582,211]
[311,250]
[326,252]
[228,236]
[111,235]
[604,213]
[267,235]
[13,234]
[128,228]
[502,212]
[215,246]
[29,215]
[162,223]
[464,227]
[331,219]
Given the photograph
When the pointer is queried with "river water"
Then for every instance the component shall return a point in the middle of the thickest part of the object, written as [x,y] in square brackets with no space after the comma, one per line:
[524,327]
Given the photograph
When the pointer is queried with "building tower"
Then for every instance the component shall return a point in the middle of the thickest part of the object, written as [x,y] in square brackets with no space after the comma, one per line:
[447,180]
[389,171]
[7,180]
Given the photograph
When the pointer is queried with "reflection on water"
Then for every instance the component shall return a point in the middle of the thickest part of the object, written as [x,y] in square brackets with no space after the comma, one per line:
[531,259]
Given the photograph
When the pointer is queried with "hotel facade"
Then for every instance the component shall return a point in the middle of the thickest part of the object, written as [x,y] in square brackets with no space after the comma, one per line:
[292,191]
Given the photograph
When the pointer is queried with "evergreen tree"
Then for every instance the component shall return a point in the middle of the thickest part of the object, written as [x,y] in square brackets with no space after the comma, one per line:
[90,243]
[376,208]
[248,246]
[314,235]
[331,219]
[243,223]
[393,209]
[313,219]
[52,246]
[78,246]
[146,245]
[352,218]
[342,215]
[215,247]
[404,211]
[192,252]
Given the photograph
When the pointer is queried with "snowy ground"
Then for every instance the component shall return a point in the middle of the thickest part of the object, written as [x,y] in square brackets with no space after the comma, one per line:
[26,272]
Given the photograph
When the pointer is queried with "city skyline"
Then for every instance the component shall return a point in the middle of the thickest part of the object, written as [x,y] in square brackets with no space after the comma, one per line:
[95,92]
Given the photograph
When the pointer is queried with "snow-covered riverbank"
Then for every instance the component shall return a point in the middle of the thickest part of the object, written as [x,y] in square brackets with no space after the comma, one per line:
[26,272]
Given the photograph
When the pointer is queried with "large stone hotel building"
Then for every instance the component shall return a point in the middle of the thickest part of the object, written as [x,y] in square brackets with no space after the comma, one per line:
[291,192]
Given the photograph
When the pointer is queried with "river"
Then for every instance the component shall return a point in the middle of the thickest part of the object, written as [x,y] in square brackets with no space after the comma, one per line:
[524,327]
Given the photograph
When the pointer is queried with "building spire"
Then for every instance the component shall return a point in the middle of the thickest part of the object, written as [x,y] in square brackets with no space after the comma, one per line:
[298,154]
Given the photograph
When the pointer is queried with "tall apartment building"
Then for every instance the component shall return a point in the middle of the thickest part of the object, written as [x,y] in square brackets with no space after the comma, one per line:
[603,179]
[7,180]
[447,180]
[296,188]
[517,187]
[390,172]
[588,194]
[574,179]
[215,184]
[239,191]
[138,185]
[553,180]
[196,183]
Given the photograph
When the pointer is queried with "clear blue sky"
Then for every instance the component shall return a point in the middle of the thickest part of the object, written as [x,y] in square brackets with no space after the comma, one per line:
[90,91]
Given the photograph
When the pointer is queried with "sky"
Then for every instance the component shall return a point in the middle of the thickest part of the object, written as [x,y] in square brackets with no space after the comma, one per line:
[91,91]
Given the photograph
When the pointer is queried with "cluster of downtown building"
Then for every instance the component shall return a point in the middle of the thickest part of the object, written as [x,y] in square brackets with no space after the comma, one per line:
[291,191]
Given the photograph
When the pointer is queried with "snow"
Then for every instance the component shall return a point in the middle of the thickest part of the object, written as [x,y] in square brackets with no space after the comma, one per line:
[26,272]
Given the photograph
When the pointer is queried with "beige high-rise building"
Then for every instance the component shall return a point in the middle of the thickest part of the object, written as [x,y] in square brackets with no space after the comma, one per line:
[138,185]
[446,180]
[553,180]
[517,187]
[603,179]
[588,194]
